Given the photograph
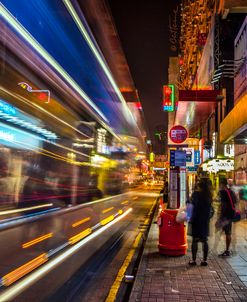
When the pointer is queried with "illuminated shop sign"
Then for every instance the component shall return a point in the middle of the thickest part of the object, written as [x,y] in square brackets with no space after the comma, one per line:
[216,165]
[168,97]
[229,150]
[18,139]
[189,156]
[101,141]
[214,144]
[151,157]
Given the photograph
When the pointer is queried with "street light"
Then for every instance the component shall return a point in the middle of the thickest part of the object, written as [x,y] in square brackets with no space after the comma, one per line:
[30,89]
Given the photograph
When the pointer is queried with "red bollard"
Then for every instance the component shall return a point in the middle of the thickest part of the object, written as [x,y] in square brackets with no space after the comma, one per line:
[172,235]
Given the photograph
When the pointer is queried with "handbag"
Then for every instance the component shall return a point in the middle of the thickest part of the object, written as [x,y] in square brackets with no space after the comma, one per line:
[236,213]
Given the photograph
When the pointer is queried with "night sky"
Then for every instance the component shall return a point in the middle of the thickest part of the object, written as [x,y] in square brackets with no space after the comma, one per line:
[142,26]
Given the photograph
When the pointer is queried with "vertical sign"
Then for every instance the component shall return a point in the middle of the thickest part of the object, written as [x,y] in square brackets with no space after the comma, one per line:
[173,189]
[101,141]
[197,157]
[172,158]
[189,157]
[168,97]
[182,187]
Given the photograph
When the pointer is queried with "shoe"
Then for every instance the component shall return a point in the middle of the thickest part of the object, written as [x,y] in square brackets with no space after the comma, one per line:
[204,263]
[225,254]
[192,263]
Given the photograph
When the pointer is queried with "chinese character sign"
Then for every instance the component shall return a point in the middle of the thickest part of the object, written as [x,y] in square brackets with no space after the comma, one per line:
[168,97]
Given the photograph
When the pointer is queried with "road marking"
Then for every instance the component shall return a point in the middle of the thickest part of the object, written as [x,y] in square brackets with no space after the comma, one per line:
[124,202]
[10,293]
[107,210]
[36,240]
[117,283]
[136,197]
[115,287]
[24,269]
[79,222]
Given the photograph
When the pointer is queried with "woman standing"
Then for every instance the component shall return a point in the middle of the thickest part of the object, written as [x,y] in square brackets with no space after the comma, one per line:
[202,201]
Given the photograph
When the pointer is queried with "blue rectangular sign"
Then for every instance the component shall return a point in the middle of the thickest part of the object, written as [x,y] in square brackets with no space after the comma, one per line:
[177,158]
[197,157]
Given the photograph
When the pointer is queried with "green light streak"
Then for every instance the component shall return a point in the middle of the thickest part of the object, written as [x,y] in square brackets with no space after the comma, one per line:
[172,96]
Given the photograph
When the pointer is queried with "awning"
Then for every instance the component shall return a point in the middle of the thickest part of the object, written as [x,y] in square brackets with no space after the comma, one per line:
[195,107]
[234,126]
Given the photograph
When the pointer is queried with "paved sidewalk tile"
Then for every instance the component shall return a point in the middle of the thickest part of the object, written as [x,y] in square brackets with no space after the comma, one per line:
[171,279]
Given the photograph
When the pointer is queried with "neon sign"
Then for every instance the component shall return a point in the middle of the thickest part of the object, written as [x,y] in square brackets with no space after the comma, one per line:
[7,108]
[168,97]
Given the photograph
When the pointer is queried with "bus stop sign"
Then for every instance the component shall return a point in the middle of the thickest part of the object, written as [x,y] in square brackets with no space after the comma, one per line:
[178,134]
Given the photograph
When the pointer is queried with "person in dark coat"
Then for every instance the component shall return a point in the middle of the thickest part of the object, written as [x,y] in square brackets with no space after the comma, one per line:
[228,201]
[202,202]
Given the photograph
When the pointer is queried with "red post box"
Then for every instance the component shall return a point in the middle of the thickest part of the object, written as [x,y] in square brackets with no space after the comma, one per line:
[172,235]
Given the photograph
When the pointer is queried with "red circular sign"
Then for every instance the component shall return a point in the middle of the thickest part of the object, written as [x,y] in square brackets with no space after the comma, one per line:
[178,134]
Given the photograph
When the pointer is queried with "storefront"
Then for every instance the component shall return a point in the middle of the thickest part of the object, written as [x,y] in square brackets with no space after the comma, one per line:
[218,168]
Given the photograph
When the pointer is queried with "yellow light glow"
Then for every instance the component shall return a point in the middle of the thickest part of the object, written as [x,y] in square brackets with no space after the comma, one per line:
[36,240]
[107,210]
[79,222]
[124,202]
[10,293]
[24,269]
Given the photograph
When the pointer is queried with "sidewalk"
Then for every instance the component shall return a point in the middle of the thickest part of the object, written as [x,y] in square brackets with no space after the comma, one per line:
[162,278]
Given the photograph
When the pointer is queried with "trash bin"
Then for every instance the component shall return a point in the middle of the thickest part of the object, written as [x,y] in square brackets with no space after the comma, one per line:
[172,235]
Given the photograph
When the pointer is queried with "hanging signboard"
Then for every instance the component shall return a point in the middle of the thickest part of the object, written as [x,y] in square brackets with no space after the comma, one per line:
[168,97]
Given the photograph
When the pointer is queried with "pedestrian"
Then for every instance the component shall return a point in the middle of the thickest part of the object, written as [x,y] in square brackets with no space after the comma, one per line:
[201,200]
[227,199]
[243,198]
[165,192]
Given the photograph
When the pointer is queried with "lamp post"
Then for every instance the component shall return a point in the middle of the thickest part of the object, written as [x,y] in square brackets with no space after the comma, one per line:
[30,89]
